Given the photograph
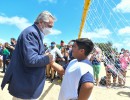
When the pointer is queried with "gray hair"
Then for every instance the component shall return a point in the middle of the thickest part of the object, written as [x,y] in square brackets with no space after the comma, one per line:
[45,15]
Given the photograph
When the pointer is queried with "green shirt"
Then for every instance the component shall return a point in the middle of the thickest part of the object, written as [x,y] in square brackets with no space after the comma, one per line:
[5,52]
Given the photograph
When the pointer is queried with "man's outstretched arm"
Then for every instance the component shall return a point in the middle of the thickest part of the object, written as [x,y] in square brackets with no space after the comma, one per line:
[57,67]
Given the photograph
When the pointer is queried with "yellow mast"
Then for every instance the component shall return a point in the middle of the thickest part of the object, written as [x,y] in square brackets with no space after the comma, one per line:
[86,7]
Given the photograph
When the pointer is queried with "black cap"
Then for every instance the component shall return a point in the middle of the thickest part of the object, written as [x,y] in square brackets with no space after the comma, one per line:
[62,41]
[53,43]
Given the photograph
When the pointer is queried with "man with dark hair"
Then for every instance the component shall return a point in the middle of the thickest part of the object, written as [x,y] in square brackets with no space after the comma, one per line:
[45,45]
[55,52]
[122,51]
[61,44]
[78,78]
[12,46]
[13,42]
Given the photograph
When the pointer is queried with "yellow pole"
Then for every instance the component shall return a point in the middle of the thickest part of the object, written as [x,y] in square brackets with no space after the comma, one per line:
[86,7]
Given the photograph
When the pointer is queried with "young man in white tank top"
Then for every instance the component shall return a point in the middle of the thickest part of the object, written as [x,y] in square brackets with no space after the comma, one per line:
[78,78]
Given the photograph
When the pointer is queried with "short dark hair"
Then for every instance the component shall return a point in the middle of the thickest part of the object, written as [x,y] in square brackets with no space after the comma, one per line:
[86,44]
[62,41]
[13,39]
[122,49]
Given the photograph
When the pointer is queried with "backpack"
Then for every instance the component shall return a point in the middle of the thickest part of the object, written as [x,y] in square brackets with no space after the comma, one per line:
[103,81]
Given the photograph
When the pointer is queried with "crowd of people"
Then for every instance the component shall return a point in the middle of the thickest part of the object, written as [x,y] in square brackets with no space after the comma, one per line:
[29,62]
[116,66]
[6,51]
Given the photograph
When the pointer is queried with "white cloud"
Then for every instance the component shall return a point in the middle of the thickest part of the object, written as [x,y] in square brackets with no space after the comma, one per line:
[51,1]
[123,6]
[2,41]
[55,32]
[97,33]
[125,30]
[126,42]
[117,45]
[19,22]
[128,45]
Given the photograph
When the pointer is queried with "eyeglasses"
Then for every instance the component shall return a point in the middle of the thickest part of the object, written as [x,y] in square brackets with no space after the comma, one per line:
[49,26]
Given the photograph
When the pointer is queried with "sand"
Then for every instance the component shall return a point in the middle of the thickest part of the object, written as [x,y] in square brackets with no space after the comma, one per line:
[51,90]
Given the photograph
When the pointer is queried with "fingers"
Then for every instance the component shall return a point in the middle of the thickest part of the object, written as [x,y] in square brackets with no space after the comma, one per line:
[50,57]
[47,53]
[63,59]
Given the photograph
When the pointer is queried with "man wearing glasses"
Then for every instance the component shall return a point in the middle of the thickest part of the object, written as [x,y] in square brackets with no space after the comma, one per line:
[26,71]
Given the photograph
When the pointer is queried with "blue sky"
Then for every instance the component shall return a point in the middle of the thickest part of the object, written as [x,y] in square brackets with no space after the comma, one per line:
[107,20]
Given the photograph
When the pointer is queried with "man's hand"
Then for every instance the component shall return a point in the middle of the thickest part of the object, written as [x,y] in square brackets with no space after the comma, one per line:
[50,57]
[11,47]
[63,59]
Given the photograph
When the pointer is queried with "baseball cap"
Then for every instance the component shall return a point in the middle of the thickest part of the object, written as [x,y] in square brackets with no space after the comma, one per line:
[53,43]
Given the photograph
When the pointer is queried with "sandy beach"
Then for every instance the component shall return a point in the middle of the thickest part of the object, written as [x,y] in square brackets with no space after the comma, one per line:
[51,90]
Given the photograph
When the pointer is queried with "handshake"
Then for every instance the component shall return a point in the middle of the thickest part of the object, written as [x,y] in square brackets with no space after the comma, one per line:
[52,58]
